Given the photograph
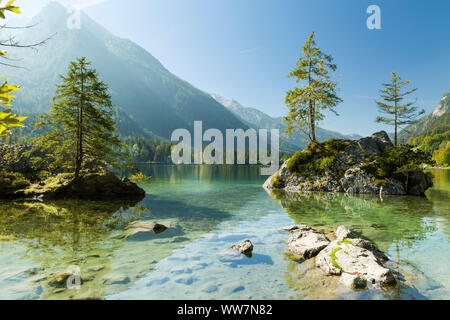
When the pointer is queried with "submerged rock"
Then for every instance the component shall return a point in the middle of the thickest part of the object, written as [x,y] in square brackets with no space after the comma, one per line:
[144,227]
[304,242]
[60,279]
[245,247]
[345,166]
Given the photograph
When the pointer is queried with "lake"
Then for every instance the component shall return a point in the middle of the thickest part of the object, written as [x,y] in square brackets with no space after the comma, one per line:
[207,209]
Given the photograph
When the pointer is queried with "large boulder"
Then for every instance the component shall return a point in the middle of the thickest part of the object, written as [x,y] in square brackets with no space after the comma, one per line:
[358,262]
[304,242]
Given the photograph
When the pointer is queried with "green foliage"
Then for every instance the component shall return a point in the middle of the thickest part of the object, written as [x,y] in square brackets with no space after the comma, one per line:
[398,113]
[317,156]
[139,178]
[8,7]
[80,126]
[318,92]
[442,155]
[11,182]
[397,160]
[144,150]
[7,118]
[277,182]
[10,156]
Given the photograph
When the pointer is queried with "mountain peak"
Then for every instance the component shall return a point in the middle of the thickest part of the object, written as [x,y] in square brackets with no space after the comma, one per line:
[443,106]
[53,7]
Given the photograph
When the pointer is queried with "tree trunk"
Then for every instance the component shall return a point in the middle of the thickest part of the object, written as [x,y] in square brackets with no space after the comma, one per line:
[395,125]
[313,120]
[79,153]
[311,106]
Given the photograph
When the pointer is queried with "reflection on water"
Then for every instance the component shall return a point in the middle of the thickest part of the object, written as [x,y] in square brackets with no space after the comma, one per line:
[207,209]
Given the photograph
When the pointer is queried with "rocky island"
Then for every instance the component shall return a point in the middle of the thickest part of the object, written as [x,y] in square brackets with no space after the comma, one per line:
[371,165]
[21,179]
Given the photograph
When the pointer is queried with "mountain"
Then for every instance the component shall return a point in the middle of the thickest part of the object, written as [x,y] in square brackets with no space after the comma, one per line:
[440,117]
[432,132]
[151,99]
[259,120]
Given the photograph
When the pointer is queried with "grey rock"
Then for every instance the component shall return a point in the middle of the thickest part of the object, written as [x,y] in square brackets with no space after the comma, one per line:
[365,244]
[353,281]
[354,260]
[305,243]
[292,229]
[245,247]
[418,183]
[343,232]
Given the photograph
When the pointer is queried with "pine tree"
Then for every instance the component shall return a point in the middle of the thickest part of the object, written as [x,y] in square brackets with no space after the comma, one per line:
[398,113]
[318,93]
[80,124]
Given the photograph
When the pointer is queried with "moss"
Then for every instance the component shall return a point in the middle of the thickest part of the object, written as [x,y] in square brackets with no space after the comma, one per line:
[277,182]
[346,240]
[379,182]
[334,258]
[318,156]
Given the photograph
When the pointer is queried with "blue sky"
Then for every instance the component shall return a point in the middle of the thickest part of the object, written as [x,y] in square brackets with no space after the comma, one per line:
[244,49]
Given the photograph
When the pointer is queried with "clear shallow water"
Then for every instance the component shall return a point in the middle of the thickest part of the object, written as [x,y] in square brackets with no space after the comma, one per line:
[208,209]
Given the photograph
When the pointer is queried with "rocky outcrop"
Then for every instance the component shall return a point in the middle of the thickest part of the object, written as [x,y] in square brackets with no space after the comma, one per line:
[358,262]
[245,247]
[344,170]
[102,186]
[304,242]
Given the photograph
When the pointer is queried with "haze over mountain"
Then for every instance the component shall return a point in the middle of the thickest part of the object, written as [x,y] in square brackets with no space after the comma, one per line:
[259,120]
[152,97]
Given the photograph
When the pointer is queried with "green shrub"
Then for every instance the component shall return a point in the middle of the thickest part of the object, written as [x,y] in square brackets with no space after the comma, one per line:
[139,178]
[277,182]
[11,182]
[317,156]
[397,160]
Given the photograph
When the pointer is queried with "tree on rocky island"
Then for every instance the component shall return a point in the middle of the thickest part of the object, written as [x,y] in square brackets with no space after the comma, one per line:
[318,93]
[80,134]
[397,113]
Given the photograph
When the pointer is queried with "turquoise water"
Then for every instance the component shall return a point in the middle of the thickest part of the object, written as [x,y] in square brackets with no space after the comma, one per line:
[207,209]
